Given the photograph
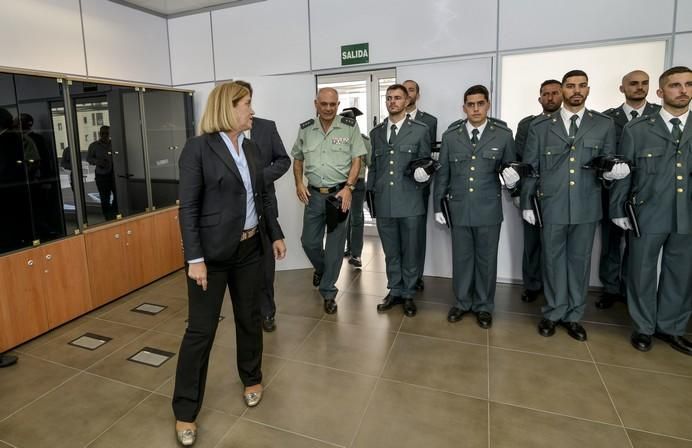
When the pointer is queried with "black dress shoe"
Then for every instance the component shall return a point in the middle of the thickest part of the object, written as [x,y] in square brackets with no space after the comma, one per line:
[608,299]
[268,324]
[546,327]
[355,261]
[575,330]
[455,314]
[530,295]
[7,360]
[420,285]
[388,302]
[679,343]
[330,306]
[347,253]
[316,279]
[484,319]
[410,308]
[641,341]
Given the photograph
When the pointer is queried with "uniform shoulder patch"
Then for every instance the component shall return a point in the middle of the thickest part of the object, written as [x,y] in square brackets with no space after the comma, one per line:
[599,114]
[379,125]
[526,120]
[542,119]
[418,122]
[497,122]
[610,111]
[456,124]
[348,121]
[305,124]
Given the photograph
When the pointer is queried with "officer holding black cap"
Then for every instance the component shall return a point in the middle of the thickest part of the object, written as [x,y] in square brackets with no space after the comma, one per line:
[471,152]
[396,142]
[354,226]
[328,152]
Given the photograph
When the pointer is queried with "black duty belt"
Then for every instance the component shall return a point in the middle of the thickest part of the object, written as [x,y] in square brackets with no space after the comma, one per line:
[328,190]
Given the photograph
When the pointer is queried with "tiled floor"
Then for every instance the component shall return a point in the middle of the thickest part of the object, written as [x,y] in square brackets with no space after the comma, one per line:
[354,379]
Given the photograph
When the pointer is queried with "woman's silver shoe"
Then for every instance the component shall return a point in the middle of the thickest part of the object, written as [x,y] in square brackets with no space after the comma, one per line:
[187,437]
[252,399]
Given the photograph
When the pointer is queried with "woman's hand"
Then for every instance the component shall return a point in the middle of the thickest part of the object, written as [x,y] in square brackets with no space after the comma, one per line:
[279,249]
[198,273]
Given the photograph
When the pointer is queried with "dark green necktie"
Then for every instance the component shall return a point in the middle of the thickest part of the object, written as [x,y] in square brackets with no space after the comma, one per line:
[634,114]
[573,125]
[677,131]
[474,137]
[392,135]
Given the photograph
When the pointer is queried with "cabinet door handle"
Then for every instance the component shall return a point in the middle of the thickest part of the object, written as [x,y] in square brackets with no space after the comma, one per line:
[49,257]
[129,232]
[30,263]
[117,236]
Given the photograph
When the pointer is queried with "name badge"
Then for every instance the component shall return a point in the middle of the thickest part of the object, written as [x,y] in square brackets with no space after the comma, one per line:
[341,140]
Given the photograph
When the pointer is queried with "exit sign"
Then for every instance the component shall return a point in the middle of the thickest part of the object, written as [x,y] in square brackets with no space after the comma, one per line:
[355,54]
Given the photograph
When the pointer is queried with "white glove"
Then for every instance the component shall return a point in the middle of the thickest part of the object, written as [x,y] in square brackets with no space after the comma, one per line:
[619,171]
[510,176]
[420,175]
[516,200]
[440,218]
[623,223]
[529,216]
[435,155]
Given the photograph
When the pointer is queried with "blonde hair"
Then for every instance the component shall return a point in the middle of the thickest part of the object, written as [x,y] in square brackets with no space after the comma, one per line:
[219,113]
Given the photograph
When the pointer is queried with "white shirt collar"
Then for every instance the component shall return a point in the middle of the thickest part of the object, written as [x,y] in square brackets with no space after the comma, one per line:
[566,115]
[413,113]
[481,128]
[399,124]
[628,110]
[667,117]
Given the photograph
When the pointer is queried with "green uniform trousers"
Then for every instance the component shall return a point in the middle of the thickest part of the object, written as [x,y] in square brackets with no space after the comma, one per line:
[531,267]
[400,240]
[669,308]
[422,232]
[612,270]
[566,268]
[474,266]
[356,221]
[325,258]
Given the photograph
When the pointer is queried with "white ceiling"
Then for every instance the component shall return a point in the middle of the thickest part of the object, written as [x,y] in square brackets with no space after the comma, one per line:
[176,7]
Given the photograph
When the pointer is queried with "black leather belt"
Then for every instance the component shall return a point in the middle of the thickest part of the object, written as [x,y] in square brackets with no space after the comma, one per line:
[328,190]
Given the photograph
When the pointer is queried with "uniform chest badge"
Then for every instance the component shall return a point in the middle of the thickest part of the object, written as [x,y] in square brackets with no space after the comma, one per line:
[341,140]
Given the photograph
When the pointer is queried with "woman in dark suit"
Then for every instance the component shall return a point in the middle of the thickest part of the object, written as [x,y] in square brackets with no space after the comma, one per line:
[223,208]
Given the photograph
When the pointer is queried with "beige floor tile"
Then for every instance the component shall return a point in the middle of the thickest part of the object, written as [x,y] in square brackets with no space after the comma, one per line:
[347,347]
[513,427]
[439,364]
[437,289]
[431,320]
[4,445]
[646,440]
[29,346]
[27,380]
[616,315]
[248,434]
[72,415]
[361,309]
[611,345]
[297,302]
[508,299]
[117,366]
[519,332]
[152,424]
[290,332]
[124,314]
[401,416]
[375,263]
[652,402]
[175,325]
[370,283]
[563,386]
[347,275]
[316,401]
[59,350]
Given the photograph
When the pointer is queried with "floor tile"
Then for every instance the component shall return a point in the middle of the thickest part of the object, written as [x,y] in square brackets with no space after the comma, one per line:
[124,315]
[347,347]
[72,415]
[376,263]
[248,434]
[518,332]
[611,345]
[175,325]
[152,424]
[370,283]
[27,380]
[290,333]
[316,401]
[651,402]
[439,364]
[297,302]
[508,299]
[117,367]
[29,346]
[361,309]
[401,416]
[563,386]
[617,314]
[646,440]
[431,320]
[514,427]
[437,289]
[4,445]
[59,350]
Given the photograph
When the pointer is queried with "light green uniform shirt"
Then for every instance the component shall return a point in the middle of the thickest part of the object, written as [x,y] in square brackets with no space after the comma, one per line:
[327,156]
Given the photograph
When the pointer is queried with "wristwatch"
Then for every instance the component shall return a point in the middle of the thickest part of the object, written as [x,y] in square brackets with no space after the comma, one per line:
[350,186]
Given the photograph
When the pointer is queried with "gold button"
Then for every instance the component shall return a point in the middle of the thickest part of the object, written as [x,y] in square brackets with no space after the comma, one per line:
[680,190]
[473,168]
[571,171]
[679,177]
[391,173]
[571,159]
[391,162]
[471,190]
[571,183]
[391,152]
[473,157]
[470,179]
[679,165]
[391,183]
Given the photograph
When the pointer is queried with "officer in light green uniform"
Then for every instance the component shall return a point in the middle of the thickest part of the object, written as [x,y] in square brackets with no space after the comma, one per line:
[570,197]
[399,198]
[328,152]
[472,151]
[660,189]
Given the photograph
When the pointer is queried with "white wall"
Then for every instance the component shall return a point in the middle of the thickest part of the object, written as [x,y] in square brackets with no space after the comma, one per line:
[192,58]
[683,18]
[401,30]
[682,52]
[124,43]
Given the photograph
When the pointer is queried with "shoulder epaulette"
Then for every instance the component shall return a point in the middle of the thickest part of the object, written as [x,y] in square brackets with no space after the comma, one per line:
[598,114]
[456,123]
[610,111]
[497,121]
[641,119]
[348,121]
[305,124]
[541,118]
[418,122]
[527,119]
[379,124]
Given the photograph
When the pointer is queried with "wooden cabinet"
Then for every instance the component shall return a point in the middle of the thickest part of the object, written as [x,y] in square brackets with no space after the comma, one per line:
[108,273]
[169,246]
[42,288]
[140,258]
